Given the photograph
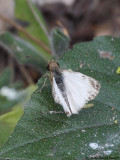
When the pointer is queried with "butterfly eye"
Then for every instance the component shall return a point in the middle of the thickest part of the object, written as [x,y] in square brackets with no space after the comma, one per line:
[48,67]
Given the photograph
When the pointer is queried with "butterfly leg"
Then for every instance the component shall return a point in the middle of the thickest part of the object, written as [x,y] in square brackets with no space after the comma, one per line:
[56,112]
[43,83]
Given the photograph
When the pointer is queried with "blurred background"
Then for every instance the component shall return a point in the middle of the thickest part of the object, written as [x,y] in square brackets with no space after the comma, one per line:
[26,44]
[83,20]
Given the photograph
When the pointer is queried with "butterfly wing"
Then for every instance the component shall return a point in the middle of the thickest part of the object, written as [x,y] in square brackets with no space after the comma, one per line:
[79,89]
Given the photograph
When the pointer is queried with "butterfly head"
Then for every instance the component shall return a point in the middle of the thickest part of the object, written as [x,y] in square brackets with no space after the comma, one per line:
[52,65]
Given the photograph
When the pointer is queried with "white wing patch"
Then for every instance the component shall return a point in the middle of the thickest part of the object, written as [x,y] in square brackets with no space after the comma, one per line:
[79,89]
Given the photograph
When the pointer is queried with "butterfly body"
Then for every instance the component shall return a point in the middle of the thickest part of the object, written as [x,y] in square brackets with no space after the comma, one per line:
[57,79]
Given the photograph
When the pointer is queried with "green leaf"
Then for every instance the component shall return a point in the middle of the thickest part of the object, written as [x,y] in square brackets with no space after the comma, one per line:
[10,97]
[34,28]
[94,132]
[23,51]
[59,42]
[9,120]
[5,77]
[39,18]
